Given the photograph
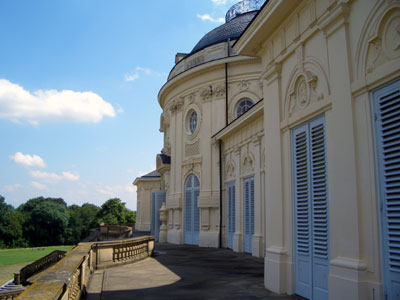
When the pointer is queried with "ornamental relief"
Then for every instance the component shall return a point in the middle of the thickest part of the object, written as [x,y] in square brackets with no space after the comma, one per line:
[247,163]
[206,93]
[176,105]
[308,86]
[191,165]
[192,149]
[385,45]
[229,168]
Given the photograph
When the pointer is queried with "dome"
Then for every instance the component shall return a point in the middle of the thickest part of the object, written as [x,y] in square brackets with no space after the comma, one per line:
[237,18]
[231,30]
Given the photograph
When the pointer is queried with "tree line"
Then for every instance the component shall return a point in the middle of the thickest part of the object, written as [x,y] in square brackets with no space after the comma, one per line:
[50,221]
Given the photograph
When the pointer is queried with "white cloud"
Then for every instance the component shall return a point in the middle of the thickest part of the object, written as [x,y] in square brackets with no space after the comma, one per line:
[53,177]
[70,176]
[219,2]
[129,77]
[207,17]
[116,190]
[19,105]
[38,185]
[28,160]
[11,188]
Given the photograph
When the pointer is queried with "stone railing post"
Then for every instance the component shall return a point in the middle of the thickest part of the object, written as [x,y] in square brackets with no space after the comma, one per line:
[163,228]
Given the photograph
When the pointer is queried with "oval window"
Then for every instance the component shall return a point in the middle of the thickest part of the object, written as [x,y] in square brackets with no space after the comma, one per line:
[193,122]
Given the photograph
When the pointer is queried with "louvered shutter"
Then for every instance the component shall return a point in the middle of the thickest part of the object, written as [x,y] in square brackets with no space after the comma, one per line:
[196,217]
[188,211]
[303,275]
[251,209]
[192,211]
[387,132]
[248,213]
[319,209]
[311,210]
[231,214]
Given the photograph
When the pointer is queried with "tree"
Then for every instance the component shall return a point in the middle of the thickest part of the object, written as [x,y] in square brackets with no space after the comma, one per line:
[10,226]
[45,221]
[113,211]
[81,220]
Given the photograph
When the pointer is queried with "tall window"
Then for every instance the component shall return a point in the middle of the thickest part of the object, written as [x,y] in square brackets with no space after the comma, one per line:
[243,106]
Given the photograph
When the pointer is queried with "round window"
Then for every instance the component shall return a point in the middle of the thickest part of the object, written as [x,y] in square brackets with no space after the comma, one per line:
[243,106]
[193,122]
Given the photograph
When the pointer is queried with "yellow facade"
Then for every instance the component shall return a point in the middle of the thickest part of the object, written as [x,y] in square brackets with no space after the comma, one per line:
[297,61]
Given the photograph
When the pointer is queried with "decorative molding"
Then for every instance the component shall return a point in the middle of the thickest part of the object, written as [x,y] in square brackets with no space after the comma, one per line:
[192,149]
[308,85]
[247,163]
[176,105]
[206,93]
[244,85]
[230,167]
[384,46]
[220,91]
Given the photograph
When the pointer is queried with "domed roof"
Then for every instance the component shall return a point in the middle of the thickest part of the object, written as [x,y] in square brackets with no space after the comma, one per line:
[237,18]
[230,30]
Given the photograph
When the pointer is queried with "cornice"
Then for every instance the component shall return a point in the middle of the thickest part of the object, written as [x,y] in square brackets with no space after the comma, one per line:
[187,75]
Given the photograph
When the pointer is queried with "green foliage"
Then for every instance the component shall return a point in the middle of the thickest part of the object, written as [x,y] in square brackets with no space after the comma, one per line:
[10,226]
[81,220]
[46,221]
[113,211]
[49,221]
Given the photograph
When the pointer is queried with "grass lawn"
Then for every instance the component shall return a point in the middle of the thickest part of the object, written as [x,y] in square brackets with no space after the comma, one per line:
[12,260]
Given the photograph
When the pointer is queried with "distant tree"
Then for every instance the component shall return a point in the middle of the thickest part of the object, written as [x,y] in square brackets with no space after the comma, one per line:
[45,221]
[113,211]
[81,220]
[10,226]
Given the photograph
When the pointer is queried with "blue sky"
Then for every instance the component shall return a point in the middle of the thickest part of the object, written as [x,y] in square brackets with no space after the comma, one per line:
[79,79]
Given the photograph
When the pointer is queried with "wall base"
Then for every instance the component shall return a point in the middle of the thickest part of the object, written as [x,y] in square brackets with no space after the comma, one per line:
[278,272]
[258,246]
[209,239]
[175,237]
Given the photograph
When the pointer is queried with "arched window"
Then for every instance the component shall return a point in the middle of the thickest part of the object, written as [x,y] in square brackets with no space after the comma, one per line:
[193,122]
[243,106]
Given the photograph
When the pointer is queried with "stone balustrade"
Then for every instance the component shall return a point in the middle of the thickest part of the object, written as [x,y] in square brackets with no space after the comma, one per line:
[109,231]
[68,278]
[22,276]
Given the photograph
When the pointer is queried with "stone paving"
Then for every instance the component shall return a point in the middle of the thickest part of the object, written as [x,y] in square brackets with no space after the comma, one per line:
[185,272]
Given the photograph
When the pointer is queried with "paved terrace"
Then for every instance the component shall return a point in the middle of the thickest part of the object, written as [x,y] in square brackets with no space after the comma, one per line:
[185,272]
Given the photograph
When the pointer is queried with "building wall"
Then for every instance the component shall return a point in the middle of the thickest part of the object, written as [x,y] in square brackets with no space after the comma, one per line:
[145,189]
[312,58]
[201,89]
[243,157]
[325,58]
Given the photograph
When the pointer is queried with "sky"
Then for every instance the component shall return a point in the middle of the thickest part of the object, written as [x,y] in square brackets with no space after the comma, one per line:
[79,116]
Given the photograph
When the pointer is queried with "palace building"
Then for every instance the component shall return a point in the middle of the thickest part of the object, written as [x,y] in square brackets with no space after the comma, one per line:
[282,139]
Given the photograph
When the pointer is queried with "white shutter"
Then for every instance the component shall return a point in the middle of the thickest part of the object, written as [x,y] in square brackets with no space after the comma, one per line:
[188,211]
[248,213]
[302,230]
[311,210]
[320,220]
[387,131]
[251,208]
[192,211]
[231,215]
